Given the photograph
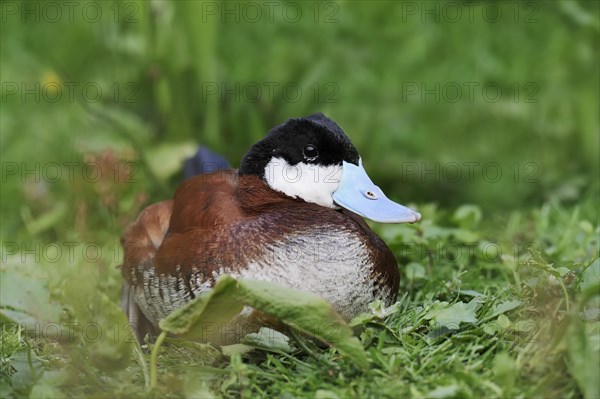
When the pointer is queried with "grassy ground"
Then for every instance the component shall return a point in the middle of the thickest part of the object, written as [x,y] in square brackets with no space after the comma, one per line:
[499,291]
[496,309]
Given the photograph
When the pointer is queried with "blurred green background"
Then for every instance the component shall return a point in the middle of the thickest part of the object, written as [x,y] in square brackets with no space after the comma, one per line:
[491,103]
[482,115]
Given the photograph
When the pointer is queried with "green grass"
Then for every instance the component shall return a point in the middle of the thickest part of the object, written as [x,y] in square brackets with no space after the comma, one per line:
[499,290]
[478,315]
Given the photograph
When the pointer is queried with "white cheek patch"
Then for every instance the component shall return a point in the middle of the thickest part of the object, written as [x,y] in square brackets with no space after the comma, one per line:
[312,183]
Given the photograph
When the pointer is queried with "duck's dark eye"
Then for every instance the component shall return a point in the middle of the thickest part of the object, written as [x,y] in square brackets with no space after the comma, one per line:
[310,152]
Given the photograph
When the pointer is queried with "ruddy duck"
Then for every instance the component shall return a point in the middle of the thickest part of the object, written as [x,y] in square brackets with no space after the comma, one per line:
[292,214]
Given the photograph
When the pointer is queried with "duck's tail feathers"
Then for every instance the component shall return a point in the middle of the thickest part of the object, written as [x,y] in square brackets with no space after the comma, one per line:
[204,161]
[140,243]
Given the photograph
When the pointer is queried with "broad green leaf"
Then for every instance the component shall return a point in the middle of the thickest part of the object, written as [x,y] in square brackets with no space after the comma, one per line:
[100,324]
[562,271]
[504,307]
[378,309]
[301,310]
[377,312]
[471,293]
[501,324]
[467,216]
[48,383]
[464,235]
[166,159]
[207,315]
[25,365]
[503,321]
[113,351]
[361,319]
[306,312]
[591,275]
[268,339]
[25,299]
[450,317]
[583,358]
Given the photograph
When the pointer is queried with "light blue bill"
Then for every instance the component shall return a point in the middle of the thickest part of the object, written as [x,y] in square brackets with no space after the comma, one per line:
[360,195]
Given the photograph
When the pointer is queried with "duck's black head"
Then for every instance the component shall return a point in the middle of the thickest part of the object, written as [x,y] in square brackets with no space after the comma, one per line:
[312,159]
[314,140]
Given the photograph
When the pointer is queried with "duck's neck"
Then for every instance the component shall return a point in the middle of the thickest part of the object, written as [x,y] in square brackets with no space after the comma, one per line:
[254,194]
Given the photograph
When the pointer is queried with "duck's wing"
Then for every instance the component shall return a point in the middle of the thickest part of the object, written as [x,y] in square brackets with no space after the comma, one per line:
[140,243]
[144,236]
[169,242]
[204,209]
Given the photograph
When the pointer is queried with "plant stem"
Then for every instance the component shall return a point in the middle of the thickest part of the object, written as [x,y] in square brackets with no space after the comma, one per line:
[153,358]
[137,349]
